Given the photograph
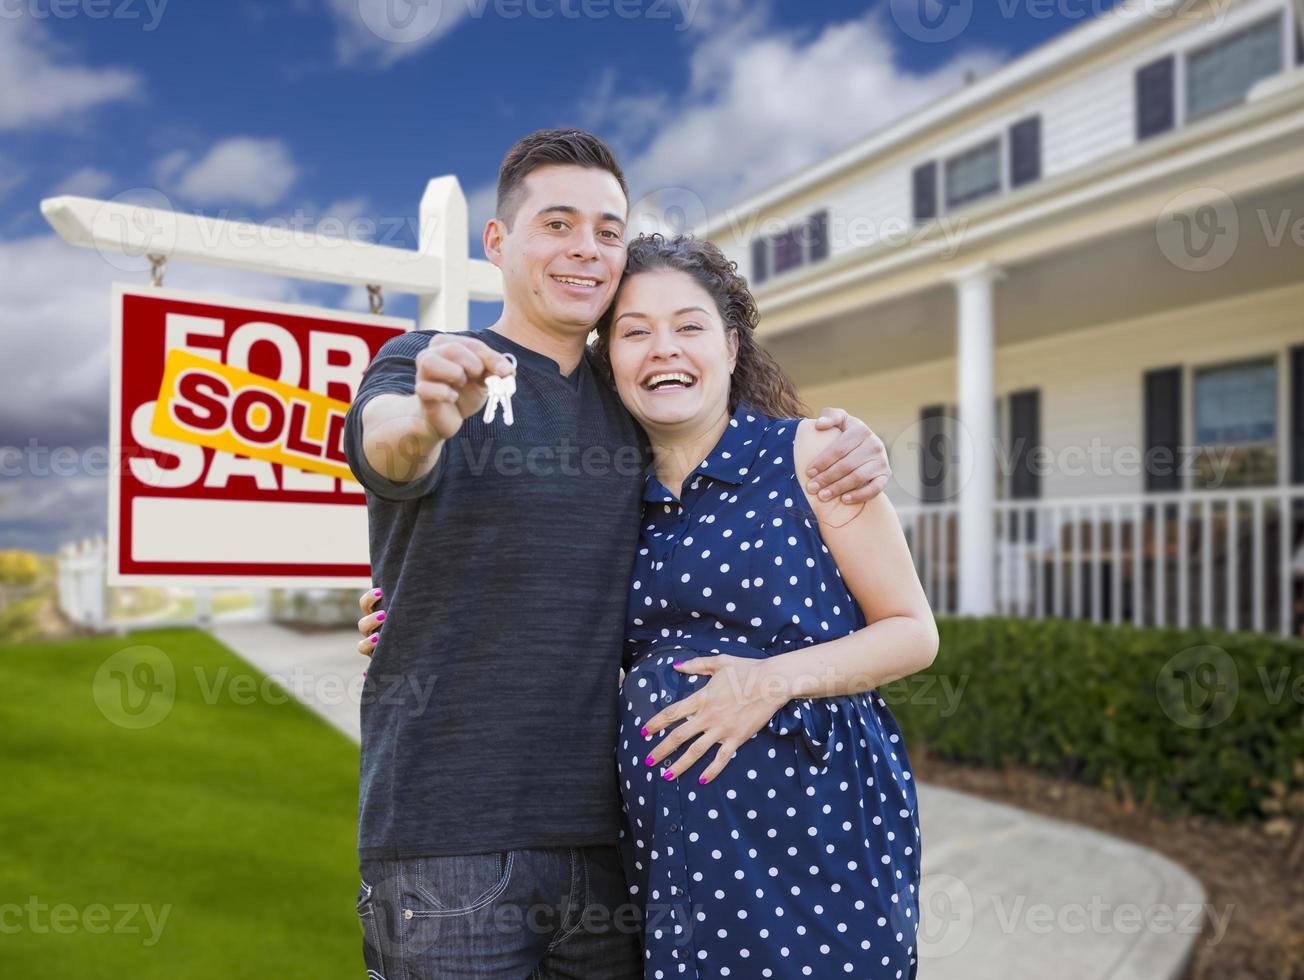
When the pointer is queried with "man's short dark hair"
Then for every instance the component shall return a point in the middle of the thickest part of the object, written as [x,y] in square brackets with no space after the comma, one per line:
[546,147]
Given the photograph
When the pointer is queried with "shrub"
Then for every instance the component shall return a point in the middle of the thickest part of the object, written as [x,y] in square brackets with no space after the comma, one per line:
[1197,720]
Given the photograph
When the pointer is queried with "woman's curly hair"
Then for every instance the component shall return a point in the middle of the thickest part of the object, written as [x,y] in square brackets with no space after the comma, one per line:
[757,378]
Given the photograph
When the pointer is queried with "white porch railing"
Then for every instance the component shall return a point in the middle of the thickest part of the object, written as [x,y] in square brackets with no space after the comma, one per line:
[1231,559]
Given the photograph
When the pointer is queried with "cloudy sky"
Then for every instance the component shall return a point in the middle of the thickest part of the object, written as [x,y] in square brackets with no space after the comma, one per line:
[334,114]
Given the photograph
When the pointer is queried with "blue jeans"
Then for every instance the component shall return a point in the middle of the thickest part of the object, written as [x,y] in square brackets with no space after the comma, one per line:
[560,913]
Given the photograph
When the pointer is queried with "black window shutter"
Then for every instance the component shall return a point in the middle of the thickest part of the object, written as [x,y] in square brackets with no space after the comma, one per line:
[1155,98]
[1025,152]
[819,236]
[926,191]
[1299,44]
[1297,414]
[935,454]
[1025,437]
[760,259]
[1163,429]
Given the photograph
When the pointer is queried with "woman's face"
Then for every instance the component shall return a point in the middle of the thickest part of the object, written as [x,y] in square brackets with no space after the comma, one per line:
[670,353]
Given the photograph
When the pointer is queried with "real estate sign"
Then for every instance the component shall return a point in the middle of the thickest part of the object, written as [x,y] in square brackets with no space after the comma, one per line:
[226,425]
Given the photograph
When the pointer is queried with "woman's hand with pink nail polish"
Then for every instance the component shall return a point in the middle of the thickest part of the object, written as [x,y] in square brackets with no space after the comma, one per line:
[369,624]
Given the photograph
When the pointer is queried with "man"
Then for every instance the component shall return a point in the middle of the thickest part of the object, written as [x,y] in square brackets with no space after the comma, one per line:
[488,804]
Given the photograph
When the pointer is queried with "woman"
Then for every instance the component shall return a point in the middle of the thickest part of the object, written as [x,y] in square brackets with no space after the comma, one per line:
[771,825]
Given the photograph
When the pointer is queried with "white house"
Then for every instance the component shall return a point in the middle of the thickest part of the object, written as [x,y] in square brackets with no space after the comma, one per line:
[1070,296]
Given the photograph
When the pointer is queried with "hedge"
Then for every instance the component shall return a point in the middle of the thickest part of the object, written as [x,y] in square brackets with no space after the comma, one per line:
[1194,720]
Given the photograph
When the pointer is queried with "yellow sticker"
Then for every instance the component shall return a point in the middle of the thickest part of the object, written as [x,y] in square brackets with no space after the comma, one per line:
[205,403]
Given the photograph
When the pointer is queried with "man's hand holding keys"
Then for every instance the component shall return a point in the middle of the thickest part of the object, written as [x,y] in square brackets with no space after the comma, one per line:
[403,434]
[450,381]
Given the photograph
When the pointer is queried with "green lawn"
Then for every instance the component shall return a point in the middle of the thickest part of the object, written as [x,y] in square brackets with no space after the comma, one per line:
[216,841]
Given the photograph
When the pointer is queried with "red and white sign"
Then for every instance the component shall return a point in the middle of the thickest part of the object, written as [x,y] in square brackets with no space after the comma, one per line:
[212,400]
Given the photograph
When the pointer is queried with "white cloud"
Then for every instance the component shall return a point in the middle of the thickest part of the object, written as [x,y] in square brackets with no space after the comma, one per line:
[348,218]
[86,182]
[238,170]
[56,311]
[169,165]
[763,104]
[40,85]
[384,32]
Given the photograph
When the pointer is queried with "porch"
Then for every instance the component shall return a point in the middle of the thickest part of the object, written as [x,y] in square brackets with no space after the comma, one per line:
[1231,559]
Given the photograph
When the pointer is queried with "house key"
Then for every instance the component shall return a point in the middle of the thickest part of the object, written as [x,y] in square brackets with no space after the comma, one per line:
[501,390]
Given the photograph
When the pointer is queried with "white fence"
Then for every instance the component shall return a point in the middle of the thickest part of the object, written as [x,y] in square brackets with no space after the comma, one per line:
[1228,559]
[81,569]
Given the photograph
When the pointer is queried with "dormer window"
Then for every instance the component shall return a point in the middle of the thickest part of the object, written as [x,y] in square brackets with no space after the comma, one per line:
[798,245]
[1000,163]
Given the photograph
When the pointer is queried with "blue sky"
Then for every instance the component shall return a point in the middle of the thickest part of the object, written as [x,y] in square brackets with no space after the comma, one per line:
[308,110]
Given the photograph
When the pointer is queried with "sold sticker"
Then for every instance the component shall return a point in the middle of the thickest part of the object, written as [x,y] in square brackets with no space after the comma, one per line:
[209,404]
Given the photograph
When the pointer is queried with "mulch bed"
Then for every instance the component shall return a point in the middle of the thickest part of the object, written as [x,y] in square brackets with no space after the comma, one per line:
[1241,866]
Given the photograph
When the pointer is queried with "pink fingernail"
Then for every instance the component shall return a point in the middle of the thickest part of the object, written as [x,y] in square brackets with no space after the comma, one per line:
[645,733]
[668,775]
[648,760]
[380,617]
[375,637]
[377,593]
[701,779]
[681,663]
[364,673]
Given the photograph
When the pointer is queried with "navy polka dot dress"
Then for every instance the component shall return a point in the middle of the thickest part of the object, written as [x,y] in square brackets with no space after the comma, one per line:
[801,859]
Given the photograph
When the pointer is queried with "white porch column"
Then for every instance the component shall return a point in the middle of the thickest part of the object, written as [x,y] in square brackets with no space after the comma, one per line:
[975,345]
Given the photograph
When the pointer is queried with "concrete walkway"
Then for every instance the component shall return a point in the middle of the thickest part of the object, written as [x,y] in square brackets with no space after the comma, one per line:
[1006,894]
[321,669]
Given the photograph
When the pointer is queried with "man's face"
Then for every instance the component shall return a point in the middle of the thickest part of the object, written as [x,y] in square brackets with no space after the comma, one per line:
[564,255]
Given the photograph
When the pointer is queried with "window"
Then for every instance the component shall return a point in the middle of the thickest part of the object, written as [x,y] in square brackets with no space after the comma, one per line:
[1222,73]
[973,174]
[786,250]
[798,245]
[1236,424]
